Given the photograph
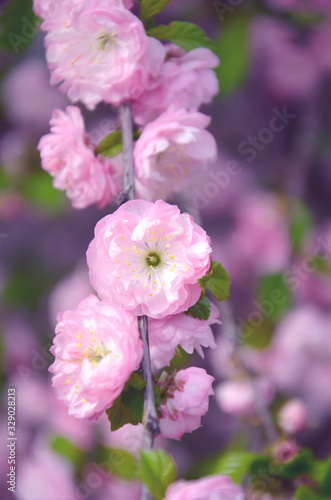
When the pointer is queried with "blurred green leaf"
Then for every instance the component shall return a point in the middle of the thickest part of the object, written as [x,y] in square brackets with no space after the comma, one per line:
[301,465]
[26,285]
[234,464]
[232,50]
[157,396]
[149,8]
[304,493]
[274,296]
[201,309]
[118,462]
[68,450]
[259,336]
[137,381]
[188,36]
[18,25]
[300,223]
[39,190]
[4,179]
[326,481]
[157,471]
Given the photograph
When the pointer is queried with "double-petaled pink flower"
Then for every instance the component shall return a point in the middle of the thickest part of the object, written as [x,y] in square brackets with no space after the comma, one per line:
[148,257]
[215,487]
[96,349]
[67,155]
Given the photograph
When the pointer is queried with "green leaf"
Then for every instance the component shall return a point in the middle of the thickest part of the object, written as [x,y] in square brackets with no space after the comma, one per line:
[68,450]
[18,25]
[187,35]
[111,145]
[234,464]
[201,309]
[301,465]
[232,50]
[157,396]
[117,462]
[126,409]
[157,471]
[274,296]
[148,8]
[304,493]
[219,282]
[300,223]
[326,481]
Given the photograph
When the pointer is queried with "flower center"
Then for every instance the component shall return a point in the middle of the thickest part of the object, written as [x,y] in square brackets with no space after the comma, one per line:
[153,259]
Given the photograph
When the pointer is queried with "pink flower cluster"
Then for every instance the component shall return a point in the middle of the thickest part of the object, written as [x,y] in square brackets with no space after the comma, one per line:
[186,401]
[148,257]
[67,155]
[96,349]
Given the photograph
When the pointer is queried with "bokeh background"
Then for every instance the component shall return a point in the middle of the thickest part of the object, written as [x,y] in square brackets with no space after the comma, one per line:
[266,204]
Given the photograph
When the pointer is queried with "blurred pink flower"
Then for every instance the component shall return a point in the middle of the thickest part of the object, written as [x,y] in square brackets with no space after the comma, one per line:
[67,155]
[237,397]
[148,258]
[45,475]
[186,401]
[305,6]
[96,349]
[186,80]
[114,61]
[259,241]
[292,417]
[170,148]
[289,68]
[207,488]
[181,329]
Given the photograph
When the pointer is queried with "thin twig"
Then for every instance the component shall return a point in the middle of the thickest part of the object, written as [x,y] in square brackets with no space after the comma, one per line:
[128,192]
[150,418]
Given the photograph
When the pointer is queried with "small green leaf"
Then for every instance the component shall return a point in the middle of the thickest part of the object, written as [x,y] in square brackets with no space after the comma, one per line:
[274,296]
[126,409]
[300,223]
[188,36]
[117,462]
[301,465]
[234,464]
[201,309]
[219,282]
[68,450]
[111,145]
[18,25]
[39,190]
[149,8]
[157,396]
[157,471]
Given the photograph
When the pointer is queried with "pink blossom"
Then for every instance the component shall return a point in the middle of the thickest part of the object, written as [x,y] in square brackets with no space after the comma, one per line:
[96,349]
[148,258]
[292,417]
[186,402]
[114,61]
[181,329]
[170,148]
[67,155]
[238,398]
[186,80]
[215,487]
